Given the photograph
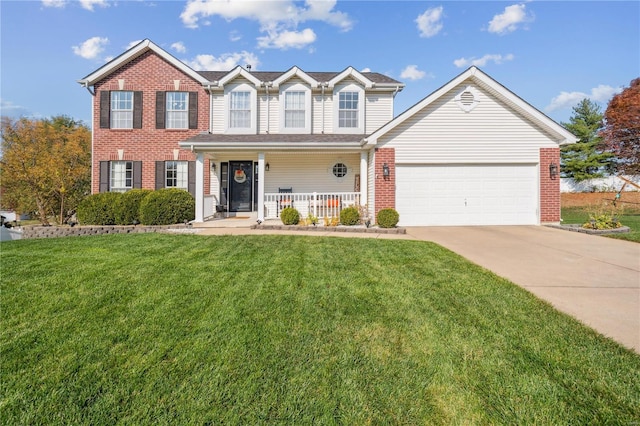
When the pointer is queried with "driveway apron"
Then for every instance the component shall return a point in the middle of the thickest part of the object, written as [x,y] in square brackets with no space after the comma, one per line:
[592,278]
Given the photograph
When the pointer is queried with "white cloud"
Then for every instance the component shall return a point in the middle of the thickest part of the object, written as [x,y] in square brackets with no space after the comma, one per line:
[481,62]
[279,19]
[430,22]
[54,3]
[9,109]
[412,72]
[235,36]
[365,69]
[602,93]
[89,4]
[179,47]
[287,39]
[510,19]
[91,48]
[224,62]
[131,44]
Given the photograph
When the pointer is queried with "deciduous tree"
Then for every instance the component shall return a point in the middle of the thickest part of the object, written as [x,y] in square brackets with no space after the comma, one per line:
[585,159]
[622,128]
[46,165]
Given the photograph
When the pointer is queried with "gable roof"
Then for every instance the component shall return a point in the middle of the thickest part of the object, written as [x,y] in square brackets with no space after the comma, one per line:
[353,73]
[562,135]
[136,51]
[239,71]
[296,72]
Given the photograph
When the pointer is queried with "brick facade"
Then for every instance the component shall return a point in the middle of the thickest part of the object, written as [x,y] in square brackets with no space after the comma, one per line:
[148,73]
[385,188]
[549,187]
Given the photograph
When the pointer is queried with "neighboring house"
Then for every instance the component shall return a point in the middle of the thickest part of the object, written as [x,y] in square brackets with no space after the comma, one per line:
[248,142]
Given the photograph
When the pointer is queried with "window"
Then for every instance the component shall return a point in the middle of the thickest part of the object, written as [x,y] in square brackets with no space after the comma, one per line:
[177,110]
[339,170]
[294,109]
[121,110]
[348,110]
[121,176]
[176,174]
[240,110]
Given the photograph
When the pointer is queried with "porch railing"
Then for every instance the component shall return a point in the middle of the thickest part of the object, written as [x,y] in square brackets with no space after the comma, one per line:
[318,204]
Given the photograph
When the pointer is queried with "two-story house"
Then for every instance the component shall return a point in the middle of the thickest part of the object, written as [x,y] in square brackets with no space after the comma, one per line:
[252,142]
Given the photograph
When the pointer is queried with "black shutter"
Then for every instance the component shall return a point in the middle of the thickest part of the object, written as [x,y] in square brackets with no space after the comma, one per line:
[160,110]
[137,110]
[104,176]
[160,174]
[191,177]
[105,109]
[137,174]
[193,110]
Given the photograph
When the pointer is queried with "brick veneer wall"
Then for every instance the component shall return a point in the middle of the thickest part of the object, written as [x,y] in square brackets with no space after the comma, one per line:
[385,188]
[549,188]
[148,73]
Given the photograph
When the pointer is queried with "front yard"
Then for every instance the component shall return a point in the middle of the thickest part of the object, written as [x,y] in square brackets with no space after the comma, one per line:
[175,329]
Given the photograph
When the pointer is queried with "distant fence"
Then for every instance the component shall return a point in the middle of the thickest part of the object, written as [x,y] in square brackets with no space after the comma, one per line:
[606,184]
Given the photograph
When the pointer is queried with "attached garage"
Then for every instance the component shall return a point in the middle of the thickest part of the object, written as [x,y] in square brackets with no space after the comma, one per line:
[480,194]
[470,153]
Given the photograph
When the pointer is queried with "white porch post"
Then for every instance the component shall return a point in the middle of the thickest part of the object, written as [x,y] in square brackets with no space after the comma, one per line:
[364,159]
[261,178]
[199,188]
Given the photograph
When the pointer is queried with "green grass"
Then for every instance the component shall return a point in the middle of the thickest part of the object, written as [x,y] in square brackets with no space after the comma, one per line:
[630,219]
[186,329]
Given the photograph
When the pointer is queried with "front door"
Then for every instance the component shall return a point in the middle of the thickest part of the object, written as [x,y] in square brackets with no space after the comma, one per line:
[240,186]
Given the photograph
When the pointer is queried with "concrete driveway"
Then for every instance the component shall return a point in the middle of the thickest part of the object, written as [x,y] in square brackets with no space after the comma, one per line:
[592,278]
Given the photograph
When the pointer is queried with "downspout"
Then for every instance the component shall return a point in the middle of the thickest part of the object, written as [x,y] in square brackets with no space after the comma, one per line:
[323,86]
[266,86]
[85,84]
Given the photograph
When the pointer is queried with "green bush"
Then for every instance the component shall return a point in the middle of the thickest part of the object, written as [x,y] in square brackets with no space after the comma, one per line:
[387,218]
[128,206]
[349,216]
[98,209]
[289,216]
[166,207]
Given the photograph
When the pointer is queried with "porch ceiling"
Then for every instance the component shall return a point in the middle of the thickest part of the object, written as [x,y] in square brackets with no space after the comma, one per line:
[274,142]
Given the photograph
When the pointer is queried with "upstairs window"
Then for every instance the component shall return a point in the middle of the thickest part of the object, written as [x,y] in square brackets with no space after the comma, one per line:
[348,110]
[294,109]
[176,175]
[121,176]
[177,110]
[121,110]
[240,110]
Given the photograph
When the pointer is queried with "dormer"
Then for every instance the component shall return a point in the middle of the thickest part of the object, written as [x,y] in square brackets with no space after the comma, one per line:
[241,101]
[295,96]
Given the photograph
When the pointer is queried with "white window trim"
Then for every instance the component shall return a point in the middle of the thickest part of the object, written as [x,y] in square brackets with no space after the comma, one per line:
[184,165]
[112,166]
[128,111]
[296,87]
[241,87]
[185,112]
[351,87]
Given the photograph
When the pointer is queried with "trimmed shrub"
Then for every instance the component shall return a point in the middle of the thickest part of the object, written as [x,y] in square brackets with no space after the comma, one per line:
[98,209]
[166,207]
[128,206]
[349,216]
[289,216]
[387,218]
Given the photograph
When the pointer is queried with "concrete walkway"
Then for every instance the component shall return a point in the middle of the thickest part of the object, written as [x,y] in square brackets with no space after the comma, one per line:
[594,279]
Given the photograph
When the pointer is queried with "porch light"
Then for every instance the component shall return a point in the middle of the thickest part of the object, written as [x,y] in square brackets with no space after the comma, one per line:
[385,170]
[266,167]
[553,170]
[213,166]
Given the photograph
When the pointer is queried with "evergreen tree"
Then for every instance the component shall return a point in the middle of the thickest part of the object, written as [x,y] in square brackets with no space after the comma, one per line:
[586,158]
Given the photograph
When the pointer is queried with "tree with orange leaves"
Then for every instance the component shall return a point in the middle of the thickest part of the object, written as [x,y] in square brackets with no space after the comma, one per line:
[45,167]
[622,128]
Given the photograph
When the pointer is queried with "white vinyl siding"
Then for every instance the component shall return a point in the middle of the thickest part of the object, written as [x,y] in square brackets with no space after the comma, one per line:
[218,113]
[379,110]
[458,195]
[444,133]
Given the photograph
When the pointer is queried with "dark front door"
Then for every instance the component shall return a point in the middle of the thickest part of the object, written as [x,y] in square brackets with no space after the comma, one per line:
[240,186]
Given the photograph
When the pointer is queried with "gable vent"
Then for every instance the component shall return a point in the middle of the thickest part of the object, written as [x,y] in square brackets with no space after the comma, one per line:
[467,98]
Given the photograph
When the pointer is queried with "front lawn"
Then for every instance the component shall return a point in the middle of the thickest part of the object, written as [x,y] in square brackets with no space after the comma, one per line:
[175,329]
[581,215]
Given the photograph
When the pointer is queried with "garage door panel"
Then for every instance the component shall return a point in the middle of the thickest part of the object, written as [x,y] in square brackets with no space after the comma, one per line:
[444,195]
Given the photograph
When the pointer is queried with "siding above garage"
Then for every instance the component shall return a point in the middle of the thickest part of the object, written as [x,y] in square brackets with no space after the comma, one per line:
[443,132]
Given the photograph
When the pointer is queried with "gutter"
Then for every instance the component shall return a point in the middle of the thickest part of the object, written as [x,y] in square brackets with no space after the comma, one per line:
[85,84]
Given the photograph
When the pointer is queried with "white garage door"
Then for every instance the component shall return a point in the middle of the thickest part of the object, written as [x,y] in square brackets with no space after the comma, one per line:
[443,195]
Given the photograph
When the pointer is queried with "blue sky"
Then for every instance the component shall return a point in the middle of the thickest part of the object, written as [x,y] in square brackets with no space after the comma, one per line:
[550,53]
